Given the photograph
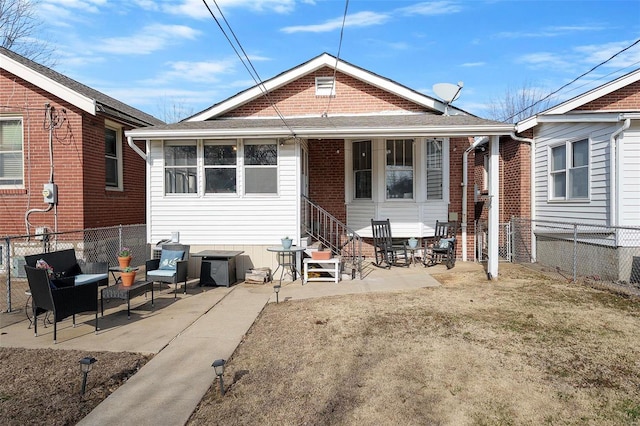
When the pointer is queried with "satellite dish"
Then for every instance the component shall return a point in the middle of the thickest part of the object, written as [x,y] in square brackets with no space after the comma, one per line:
[448,92]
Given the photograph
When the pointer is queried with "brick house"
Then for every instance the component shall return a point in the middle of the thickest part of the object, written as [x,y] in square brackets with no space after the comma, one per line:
[325,135]
[64,137]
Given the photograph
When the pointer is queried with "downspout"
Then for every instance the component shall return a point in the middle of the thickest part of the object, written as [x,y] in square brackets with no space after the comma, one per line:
[135,148]
[465,178]
[532,186]
[613,160]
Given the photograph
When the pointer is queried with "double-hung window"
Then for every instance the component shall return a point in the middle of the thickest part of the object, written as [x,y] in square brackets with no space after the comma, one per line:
[399,168]
[220,164]
[362,170]
[434,169]
[11,169]
[180,167]
[569,171]
[113,157]
[261,167]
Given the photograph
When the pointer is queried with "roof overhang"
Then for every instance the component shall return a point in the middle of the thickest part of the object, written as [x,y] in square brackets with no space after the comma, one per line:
[83,102]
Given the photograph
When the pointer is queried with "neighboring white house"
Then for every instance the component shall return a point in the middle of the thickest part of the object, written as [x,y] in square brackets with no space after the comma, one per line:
[239,174]
[587,171]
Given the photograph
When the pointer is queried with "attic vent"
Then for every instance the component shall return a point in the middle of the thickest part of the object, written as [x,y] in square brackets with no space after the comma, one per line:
[325,86]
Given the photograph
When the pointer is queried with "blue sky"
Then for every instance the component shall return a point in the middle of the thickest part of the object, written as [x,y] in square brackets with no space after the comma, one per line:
[159,55]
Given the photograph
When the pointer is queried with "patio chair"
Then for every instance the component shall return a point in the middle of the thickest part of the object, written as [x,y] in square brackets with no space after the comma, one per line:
[442,247]
[171,268]
[385,250]
[59,296]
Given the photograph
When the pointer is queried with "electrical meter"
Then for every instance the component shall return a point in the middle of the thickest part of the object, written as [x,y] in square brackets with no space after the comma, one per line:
[50,193]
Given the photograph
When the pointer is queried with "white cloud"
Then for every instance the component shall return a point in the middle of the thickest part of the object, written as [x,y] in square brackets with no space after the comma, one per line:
[596,53]
[360,19]
[543,60]
[431,8]
[551,31]
[199,72]
[148,40]
[473,64]
[196,9]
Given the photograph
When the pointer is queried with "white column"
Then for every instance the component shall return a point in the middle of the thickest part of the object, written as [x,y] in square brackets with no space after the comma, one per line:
[494,208]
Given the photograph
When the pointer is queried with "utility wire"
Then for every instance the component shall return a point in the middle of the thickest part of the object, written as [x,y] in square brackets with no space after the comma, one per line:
[572,81]
[335,68]
[254,75]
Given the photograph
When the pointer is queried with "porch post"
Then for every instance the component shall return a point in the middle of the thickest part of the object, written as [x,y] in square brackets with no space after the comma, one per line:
[494,208]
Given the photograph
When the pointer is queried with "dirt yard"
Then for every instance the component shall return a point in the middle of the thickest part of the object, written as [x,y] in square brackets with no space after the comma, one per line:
[527,349]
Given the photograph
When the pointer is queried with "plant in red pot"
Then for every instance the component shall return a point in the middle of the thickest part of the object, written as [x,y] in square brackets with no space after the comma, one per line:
[124,257]
[128,276]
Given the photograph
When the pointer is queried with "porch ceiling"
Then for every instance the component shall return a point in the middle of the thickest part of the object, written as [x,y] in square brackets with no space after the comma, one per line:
[410,125]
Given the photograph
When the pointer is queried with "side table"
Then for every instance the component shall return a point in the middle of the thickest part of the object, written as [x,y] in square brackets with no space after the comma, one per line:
[118,291]
[287,258]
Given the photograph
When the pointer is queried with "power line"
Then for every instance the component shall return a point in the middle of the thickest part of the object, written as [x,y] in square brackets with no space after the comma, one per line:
[335,68]
[254,75]
[572,81]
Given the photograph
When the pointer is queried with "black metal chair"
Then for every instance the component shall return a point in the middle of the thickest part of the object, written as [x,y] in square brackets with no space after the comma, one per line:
[442,247]
[386,251]
[172,267]
[61,297]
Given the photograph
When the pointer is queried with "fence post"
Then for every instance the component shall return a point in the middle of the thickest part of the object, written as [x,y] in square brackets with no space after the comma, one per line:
[575,251]
[7,259]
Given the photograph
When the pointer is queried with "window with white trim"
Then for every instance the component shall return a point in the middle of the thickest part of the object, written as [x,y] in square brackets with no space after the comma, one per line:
[434,169]
[399,168]
[569,171]
[180,167]
[261,167]
[325,86]
[113,156]
[362,170]
[11,154]
[220,165]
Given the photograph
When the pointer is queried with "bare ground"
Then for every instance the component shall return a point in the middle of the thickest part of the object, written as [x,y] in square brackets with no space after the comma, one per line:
[525,350]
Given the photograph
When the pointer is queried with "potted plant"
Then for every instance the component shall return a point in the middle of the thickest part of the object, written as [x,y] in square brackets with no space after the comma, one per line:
[128,276]
[286,242]
[124,257]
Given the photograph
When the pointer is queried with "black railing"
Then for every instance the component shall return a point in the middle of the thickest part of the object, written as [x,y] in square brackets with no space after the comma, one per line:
[334,235]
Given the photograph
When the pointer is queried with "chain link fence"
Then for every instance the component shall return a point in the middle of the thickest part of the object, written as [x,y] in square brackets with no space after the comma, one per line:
[91,245]
[504,241]
[580,251]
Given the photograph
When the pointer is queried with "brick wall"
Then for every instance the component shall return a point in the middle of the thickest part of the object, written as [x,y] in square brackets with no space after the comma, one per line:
[78,164]
[326,176]
[299,98]
[624,99]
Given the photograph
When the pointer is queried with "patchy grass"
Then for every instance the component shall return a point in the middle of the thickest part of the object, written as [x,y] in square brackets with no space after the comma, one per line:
[526,349]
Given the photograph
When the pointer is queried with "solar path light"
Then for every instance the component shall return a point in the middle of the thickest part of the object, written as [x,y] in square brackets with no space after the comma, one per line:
[218,367]
[86,364]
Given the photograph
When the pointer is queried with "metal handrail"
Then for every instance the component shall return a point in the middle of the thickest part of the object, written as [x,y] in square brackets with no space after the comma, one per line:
[333,234]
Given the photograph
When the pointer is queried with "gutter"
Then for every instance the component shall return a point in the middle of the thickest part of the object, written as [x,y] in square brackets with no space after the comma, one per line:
[135,148]
[613,164]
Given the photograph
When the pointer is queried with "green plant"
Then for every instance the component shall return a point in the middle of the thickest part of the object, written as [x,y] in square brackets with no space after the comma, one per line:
[128,269]
[124,252]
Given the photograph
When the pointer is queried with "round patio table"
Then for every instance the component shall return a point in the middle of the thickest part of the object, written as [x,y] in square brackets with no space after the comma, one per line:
[287,259]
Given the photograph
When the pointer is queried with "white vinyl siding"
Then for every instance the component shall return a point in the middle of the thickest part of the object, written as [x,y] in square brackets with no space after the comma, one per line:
[593,209]
[629,191]
[227,221]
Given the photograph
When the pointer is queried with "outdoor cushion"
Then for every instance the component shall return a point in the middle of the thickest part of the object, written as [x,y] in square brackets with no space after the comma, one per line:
[444,243]
[89,278]
[169,258]
[162,273]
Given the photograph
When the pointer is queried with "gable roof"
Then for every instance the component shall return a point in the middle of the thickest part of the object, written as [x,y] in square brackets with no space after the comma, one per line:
[321,61]
[83,97]
[581,100]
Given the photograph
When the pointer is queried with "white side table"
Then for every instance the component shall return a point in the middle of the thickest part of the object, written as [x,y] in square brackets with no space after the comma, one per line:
[330,266]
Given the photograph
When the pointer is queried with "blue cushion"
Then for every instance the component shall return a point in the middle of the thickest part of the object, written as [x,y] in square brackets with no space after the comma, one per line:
[89,278]
[169,259]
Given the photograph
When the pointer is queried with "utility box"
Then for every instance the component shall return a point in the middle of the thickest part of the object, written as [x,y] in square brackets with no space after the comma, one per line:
[50,193]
